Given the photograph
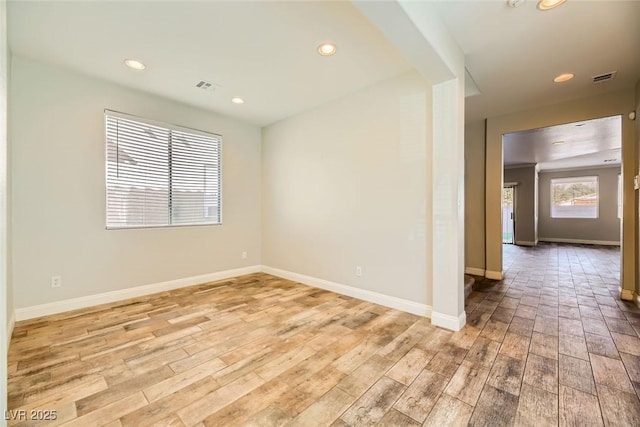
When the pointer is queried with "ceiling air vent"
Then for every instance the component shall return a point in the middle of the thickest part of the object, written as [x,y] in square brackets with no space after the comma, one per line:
[206,85]
[604,77]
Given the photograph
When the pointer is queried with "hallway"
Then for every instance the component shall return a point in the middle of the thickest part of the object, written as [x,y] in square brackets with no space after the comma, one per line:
[561,302]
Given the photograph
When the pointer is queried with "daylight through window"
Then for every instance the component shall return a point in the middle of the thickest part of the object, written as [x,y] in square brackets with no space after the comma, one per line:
[160,175]
[575,197]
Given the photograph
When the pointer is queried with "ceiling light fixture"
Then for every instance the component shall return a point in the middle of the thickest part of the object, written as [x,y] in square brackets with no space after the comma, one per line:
[549,4]
[557,143]
[563,77]
[136,65]
[237,100]
[327,49]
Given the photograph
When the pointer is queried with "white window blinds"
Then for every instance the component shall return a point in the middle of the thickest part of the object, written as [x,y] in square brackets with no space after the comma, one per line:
[160,175]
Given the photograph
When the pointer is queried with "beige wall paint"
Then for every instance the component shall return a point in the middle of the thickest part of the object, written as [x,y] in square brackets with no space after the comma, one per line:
[605,228]
[474,172]
[59,198]
[637,146]
[344,185]
[525,203]
[618,103]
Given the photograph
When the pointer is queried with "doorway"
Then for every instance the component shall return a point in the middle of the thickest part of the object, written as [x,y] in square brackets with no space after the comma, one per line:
[508,215]
[571,192]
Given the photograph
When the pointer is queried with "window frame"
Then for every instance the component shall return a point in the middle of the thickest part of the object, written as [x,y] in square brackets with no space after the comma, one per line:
[170,127]
[576,179]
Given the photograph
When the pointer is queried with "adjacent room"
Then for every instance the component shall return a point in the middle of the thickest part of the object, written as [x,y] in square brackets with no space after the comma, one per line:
[219,213]
[563,184]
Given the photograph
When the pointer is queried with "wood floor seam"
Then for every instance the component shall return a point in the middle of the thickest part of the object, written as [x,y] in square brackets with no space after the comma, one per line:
[550,344]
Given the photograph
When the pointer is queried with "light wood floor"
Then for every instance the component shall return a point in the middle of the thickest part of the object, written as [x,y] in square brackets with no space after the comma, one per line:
[550,344]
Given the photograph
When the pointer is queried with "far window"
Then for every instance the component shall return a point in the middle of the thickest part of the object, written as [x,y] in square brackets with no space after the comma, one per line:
[160,175]
[575,197]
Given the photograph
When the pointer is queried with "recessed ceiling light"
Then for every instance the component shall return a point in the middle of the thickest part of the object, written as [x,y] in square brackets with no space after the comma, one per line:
[549,4]
[136,65]
[563,77]
[327,49]
[237,100]
[557,142]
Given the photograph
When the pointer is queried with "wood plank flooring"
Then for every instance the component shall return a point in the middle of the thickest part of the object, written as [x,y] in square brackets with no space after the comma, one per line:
[550,345]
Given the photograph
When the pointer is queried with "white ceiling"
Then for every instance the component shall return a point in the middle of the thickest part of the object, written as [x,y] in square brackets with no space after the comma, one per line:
[590,143]
[513,54]
[265,51]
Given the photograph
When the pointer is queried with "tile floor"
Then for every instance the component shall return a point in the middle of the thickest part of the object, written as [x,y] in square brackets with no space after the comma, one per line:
[558,313]
[549,345]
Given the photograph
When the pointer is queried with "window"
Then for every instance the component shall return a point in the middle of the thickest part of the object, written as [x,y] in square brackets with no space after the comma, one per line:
[575,197]
[160,175]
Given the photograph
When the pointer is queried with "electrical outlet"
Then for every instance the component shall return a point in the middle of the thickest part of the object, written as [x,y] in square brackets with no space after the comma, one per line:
[358,271]
[56,281]
[244,255]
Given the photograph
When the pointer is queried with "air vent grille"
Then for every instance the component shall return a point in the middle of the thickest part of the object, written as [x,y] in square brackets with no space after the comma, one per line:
[204,85]
[604,77]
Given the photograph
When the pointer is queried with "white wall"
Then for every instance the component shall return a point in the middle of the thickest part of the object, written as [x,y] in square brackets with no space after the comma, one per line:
[6,297]
[58,207]
[345,185]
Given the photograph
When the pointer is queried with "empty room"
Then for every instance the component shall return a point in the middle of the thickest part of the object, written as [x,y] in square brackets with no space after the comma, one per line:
[269,213]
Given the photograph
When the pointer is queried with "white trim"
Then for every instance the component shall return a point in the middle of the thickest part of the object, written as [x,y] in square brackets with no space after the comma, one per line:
[454,323]
[474,271]
[363,294]
[525,243]
[10,325]
[31,312]
[581,241]
[626,294]
[581,168]
[494,275]
[519,166]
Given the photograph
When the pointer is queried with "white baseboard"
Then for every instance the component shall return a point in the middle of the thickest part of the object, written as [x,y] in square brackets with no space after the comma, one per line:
[525,243]
[627,295]
[454,323]
[580,241]
[363,294]
[31,312]
[474,271]
[10,325]
[25,313]
[494,275]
